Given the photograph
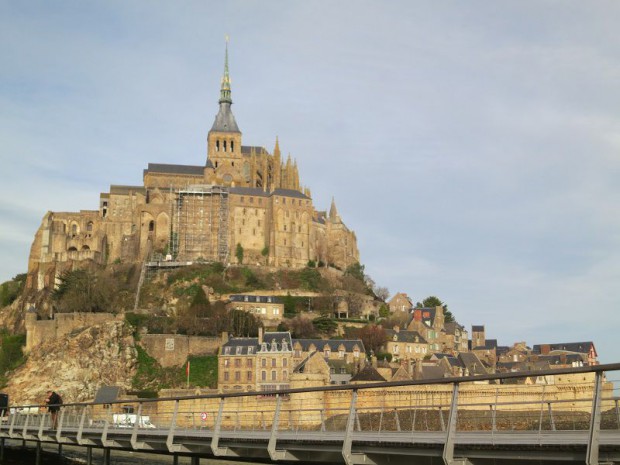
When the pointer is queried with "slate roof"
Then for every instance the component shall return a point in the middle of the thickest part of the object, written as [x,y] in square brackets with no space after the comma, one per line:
[472,363]
[254,298]
[452,326]
[405,336]
[192,170]
[451,359]
[244,343]
[289,193]
[432,372]
[225,120]
[247,149]
[368,373]
[107,394]
[255,191]
[580,347]
[123,190]
[333,344]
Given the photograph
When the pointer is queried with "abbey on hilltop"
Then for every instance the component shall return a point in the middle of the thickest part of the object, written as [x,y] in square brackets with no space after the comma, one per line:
[244,201]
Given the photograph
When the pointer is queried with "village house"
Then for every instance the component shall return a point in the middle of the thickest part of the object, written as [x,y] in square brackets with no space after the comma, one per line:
[268,309]
[401,302]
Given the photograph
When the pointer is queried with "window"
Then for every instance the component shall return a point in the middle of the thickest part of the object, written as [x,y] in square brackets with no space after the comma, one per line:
[239,350]
[284,362]
[226,350]
[250,351]
[224,146]
[341,353]
[249,376]
[237,376]
[263,362]
[251,199]
[237,362]
[395,349]
[284,374]
[263,375]
[225,376]
[248,363]
[226,362]
[273,362]
[274,376]
[217,148]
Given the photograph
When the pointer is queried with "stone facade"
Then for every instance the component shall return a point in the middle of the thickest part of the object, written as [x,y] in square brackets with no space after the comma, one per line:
[243,196]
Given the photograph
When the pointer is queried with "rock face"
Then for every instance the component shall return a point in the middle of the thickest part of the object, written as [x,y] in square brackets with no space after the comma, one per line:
[76,365]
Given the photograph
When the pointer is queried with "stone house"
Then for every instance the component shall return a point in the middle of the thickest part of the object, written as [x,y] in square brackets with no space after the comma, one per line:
[401,302]
[405,344]
[267,308]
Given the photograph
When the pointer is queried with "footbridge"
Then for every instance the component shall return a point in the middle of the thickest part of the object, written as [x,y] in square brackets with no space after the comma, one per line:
[569,415]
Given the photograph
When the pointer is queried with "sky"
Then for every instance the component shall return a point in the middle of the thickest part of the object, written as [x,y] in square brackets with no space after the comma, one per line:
[472,146]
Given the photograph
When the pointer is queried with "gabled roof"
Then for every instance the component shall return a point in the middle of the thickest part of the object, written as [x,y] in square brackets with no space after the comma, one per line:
[245,343]
[472,363]
[451,327]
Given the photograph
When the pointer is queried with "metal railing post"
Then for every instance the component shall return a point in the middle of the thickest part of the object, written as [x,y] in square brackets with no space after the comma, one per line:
[595,422]
[134,434]
[215,439]
[13,416]
[59,426]
[81,427]
[173,422]
[448,449]
[348,440]
[273,438]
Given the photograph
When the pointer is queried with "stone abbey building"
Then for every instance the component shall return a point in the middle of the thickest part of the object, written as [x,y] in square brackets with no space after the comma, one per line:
[243,196]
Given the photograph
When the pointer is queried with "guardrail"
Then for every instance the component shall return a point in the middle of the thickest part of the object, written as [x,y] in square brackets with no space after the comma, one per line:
[462,420]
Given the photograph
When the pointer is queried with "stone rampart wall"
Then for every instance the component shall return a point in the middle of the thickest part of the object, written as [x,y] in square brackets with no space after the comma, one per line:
[39,331]
[172,350]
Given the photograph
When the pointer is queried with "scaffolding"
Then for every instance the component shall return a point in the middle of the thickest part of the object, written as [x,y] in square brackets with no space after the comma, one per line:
[200,224]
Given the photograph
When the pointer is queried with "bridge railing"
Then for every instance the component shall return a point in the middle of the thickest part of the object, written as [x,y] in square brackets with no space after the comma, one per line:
[539,406]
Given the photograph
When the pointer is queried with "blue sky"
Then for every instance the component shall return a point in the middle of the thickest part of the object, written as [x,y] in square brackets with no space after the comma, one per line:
[472,146]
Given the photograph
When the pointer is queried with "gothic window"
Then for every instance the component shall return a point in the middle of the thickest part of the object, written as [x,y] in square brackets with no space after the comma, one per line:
[151,226]
[224,146]
[232,146]
[74,229]
[89,226]
[217,149]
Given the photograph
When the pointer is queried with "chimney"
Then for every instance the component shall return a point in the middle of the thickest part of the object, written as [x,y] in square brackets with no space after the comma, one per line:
[224,337]
[260,334]
[373,360]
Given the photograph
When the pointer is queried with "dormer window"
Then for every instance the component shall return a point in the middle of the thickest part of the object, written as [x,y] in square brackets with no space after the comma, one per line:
[226,350]
[284,345]
[263,347]
[239,350]
[274,345]
[395,337]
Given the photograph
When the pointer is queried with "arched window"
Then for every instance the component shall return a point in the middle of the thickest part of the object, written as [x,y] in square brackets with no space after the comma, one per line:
[85,247]
[89,226]
[151,226]
[217,146]
[224,146]
[232,146]
[71,249]
[74,229]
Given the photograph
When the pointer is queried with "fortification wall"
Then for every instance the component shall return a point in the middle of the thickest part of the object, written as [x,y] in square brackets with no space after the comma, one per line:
[39,331]
[172,350]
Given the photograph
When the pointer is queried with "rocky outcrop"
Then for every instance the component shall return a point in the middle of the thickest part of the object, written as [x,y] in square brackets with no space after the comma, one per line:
[76,365]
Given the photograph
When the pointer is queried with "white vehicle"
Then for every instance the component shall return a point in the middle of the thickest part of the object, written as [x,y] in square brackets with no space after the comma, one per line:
[128,419]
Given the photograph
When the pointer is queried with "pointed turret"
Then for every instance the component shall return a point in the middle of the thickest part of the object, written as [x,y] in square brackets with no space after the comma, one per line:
[333,212]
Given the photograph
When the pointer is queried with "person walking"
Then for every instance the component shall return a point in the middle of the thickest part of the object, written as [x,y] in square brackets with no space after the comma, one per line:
[53,401]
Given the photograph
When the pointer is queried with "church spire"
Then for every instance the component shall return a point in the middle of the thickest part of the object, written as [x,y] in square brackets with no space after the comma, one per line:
[224,120]
[225,96]
[333,213]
